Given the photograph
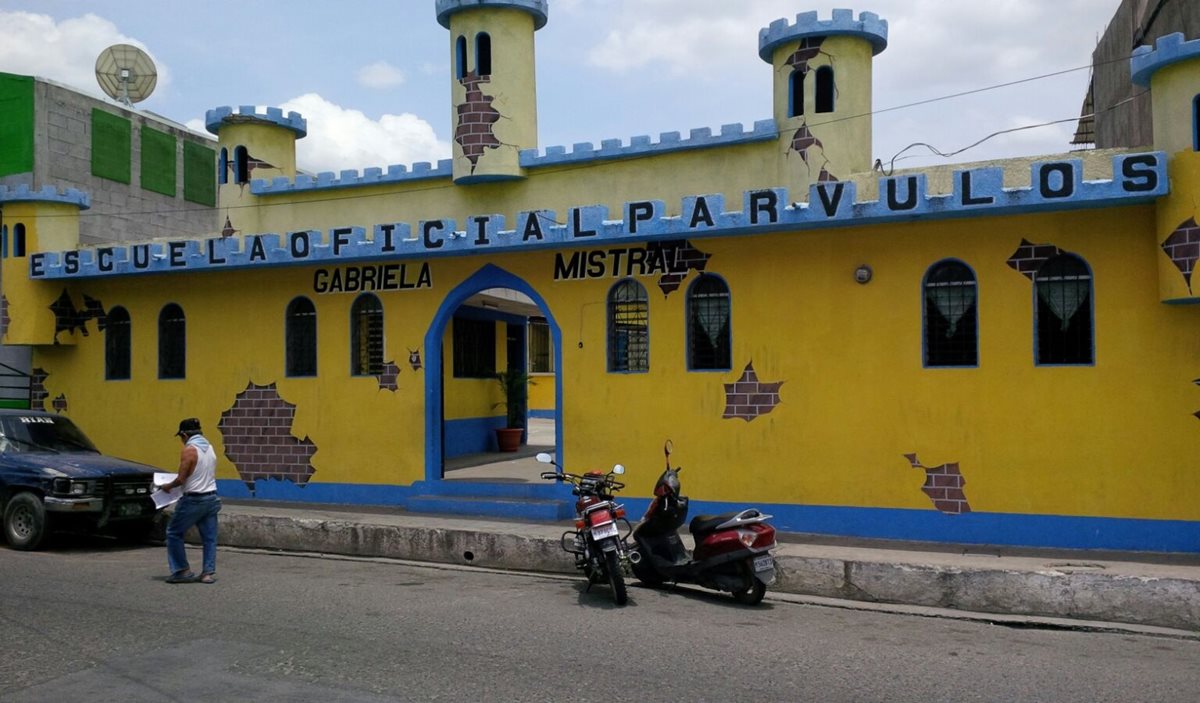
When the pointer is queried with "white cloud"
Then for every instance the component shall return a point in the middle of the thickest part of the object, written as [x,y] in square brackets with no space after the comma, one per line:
[380,75]
[343,138]
[64,52]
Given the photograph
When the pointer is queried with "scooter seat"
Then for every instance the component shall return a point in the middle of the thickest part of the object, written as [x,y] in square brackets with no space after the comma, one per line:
[702,524]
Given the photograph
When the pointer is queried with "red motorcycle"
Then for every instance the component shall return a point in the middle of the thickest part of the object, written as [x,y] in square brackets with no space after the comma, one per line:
[733,550]
[596,542]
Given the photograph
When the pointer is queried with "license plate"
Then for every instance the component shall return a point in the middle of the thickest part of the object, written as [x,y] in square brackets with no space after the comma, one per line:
[129,509]
[764,563]
[604,531]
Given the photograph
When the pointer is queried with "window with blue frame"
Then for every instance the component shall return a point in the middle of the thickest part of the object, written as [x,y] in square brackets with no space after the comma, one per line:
[460,58]
[223,167]
[301,338]
[366,336]
[1063,311]
[241,165]
[172,342]
[628,327]
[118,338]
[709,334]
[950,315]
[796,93]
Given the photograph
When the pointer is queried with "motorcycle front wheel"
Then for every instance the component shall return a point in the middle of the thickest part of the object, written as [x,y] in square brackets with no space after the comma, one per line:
[612,564]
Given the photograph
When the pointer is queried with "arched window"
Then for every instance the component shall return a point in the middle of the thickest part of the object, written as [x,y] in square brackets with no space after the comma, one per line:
[825,89]
[950,315]
[1063,311]
[709,339]
[483,53]
[3,241]
[223,167]
[796,94]
[1196,123]
[628,327]
[118,338]
[241,165]
[300,344]
[460,58]
[172,342]
[366,336]
[18,244]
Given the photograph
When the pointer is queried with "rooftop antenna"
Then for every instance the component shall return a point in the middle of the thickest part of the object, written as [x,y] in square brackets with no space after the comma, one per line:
[126,74]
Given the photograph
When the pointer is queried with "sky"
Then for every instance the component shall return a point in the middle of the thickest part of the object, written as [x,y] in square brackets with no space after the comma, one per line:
[373,77]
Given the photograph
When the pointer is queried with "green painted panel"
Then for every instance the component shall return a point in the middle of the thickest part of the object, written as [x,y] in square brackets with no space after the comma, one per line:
[112,137]
[16,124]
[158,161]
[11,403]
[199,174]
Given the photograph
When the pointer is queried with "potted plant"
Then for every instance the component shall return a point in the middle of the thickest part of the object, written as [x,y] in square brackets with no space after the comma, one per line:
[514,388]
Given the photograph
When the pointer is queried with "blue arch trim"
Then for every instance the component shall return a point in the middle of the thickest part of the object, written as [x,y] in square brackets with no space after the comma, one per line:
[489,276]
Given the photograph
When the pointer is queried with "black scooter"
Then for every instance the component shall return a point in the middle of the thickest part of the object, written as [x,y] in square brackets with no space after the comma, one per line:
[733,550]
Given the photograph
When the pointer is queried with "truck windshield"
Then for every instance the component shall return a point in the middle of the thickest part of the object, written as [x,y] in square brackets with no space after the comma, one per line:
[42,433]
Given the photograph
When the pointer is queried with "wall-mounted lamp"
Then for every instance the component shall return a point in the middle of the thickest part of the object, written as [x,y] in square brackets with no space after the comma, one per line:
[862,274]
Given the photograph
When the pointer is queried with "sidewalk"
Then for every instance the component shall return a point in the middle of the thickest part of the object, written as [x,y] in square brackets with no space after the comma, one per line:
[1152,590]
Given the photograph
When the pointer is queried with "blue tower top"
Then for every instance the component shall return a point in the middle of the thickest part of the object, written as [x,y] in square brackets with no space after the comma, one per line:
[537,8]
[213,119]
[1167,50]
[868,26]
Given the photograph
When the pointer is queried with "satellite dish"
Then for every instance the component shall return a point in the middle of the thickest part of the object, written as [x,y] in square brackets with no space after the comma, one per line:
[126,73]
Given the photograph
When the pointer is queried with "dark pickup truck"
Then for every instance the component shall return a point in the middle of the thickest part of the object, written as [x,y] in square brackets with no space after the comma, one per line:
[52,477]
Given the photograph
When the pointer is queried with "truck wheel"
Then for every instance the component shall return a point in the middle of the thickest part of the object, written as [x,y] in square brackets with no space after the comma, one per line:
[25,521]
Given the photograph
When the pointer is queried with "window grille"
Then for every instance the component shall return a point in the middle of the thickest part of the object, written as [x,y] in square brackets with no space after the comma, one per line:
[366,336]
[709,341]
[117,341]
[951,316]
[628,327]
[474,348]
[1064,311]
[824,97]
[541,346]
[301,338]
[172,342]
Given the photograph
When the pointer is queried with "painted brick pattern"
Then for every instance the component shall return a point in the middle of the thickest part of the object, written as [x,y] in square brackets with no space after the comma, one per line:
[4,318]
[37,389]
[681,258]
[60,403]
[257,433]
[809,49]
[476,117]
[388,380]
[944,486]
[1029,257]
[68,318]
[747,397]
[1183,247]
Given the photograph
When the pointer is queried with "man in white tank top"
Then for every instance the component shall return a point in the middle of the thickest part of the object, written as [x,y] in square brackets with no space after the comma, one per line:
[198,506]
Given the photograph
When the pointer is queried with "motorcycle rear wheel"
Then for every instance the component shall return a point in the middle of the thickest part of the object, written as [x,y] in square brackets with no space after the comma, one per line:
[612,564]
[755,593]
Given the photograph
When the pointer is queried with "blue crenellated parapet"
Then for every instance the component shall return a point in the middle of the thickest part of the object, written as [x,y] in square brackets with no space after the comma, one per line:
[1167,50]
[48,194]
[215,118]
[867,26]
[763,130]
[537,8]
[642,145]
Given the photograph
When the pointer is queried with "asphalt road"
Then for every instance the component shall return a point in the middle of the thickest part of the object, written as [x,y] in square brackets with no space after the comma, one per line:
[90,620]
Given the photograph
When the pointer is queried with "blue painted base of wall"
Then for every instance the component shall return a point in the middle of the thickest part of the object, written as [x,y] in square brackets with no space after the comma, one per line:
[472,435]
[542,414]
[529,502]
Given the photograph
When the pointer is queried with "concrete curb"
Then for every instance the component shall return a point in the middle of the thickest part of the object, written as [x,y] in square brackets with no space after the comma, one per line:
[1122,598]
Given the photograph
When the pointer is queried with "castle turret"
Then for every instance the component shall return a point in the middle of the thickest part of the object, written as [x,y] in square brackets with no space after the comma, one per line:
[252,145]
[1172,72]
[822,92]
[493,94]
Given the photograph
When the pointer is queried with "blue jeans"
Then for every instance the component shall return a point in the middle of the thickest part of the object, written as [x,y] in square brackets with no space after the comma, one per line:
[200,511]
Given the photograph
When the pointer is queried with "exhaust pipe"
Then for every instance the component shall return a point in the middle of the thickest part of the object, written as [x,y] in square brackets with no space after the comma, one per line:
[635,556]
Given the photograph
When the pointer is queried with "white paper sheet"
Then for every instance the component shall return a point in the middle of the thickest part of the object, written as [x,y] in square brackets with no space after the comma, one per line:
[164,498]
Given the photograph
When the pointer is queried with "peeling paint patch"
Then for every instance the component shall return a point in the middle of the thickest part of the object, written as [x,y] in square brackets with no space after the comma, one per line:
[476,118]
[257,433]
[388,379]
[680,257]
[747,397]
[60,403]
[67,318]
[1183,248]
[944,486]
[37,389]
[1029,257]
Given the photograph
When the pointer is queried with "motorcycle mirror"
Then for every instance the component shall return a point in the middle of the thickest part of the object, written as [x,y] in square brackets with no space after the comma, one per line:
[618,469]
[544,458]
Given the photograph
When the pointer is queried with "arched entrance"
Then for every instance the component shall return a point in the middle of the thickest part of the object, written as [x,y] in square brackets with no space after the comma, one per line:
[488,277]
